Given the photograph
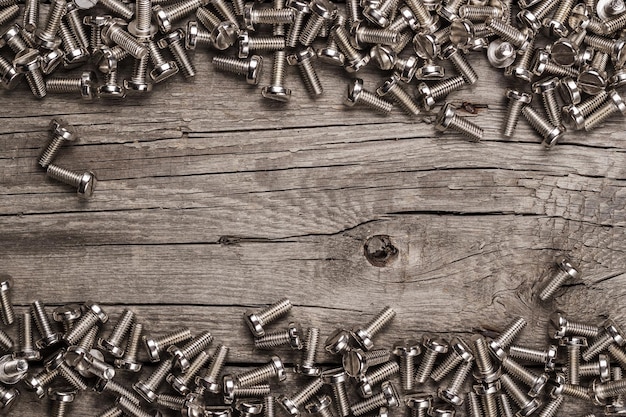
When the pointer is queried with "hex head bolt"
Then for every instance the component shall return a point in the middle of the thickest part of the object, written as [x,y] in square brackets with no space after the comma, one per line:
[294,403]
[113,32]
[183,356]
[547,356]
[459,352]
[541,65]
[46,37]
[551,135]
[210,380]
[25,349]
[321,12]
[303,59]
[134,410]
[506,337]
[147,388]
[559,326]
[614,105]
[517,100]
[49,337]
[94,314]
[612,335]
[487,371]
[182,383]
[547,88]
[474,408]
[114,388]
[28,62]
[113,343]
[57,362]
[364,335]
[374,376]
[528,405]
[452,394]
[536,382]
[388,397]
[356,94]
[448,119]
[256,320]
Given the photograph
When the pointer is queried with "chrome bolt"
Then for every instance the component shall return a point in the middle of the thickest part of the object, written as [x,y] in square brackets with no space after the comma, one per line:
[275,91]
[113,344]
[93,312]
[182,356]
[533,18]
[556,25]
[551,135]
[274,369]
[521,66]
[48,336]
[142,27]
[362,36]
[25,349]
[75,354]
[129,361]
[219,34]
[175,42]
[541,65]
[473,405]
[321,405]
[488,393]
[118,8]
[167,16]
[567,270]
[528,405]
[356,361]
[6,307]
[517,100]
[427,21]
[432,349]
[614,105]
[564,51]
[85,86]
[39,382]
[182,383]
[428,96]
[479,13]
[612,334]
[156,345]
[375,376]
[536,382]
[459,352]
[337,378]
[251,67]
[253,16]
[569,91]
[574,345]
[462,65]
[559,326]
[593,78]
[113,32]
[617,354]
[353,58]
[232,391]
[162,69]
[321,12]
[13,38]
[301,10]
[12,370]
[9,76]
[116,389]
[303,59]
[405,19]
[210,379]
[30,17]
[364,335]
[391,86]
[574,116]
[428,45]
[76,25]
[452,394]
[388,397]
[293,403]
[96,366]
[547,88]
[62,398]
[505,406]
[308,363]
[107,58]
[407,352]
[601,368]
[57,362]
[418,405]
[250,408]
[28,62]
[132,409]
[111,88]
[96,23]
[546,356]
[75,55]
[448,119]
[138,83]
[249,43]
[487,371]
[147,388]
[552,407]
[518,38]
[226,11]
[501,54]
[47,37]
[338,342]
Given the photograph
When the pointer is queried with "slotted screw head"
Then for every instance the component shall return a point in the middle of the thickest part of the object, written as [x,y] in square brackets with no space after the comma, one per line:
[384,56]
[390,394]
[339,341]
[445,117]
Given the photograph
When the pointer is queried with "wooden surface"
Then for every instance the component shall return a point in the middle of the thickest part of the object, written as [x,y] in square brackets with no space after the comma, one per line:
[212,200]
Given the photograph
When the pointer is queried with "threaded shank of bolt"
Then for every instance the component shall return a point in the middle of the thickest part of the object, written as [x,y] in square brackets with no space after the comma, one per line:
[306,393]
[382,372]
[613,24]
[523,61]
[204,38]
[256,376]
[426,366]
[543,127]
[481,353]
[513,113]
[217,364]
[374,102]
[507,32]
[30,17]
[122,327]
[340,395]
[182,9]
[118,7]
[8,14]
[505,406]
[551,408]
[617,354]
[599,345]
[69,42]
[551,106]
[55,144]
[341,36]
[380,321]
[444,368]
[99,368]
[95,40]
[407,372]
[132,346]
[441,89]
[25,334]
[77,28]
[563,11]
[157,59]
[464,67]
[589,369]
[202,359]
[225,10]
[467,128]
[182,59]
[295,30]
[271,340]
[116,388]
[377,36]
[586,107]
[41,319]
[353,10]
[479,13]
[272,16]
[53,19]
[131,408]
[600,115]
[17,43]
[473,405]
[405,101]
[600,43]
[269,406]
[60,409]
[577,328]
[143,15]
[46,377]
[543,8]
[310,347]
[128,42]
[158,376]
[459,377]
[267,43]
[490,405]
[576,391]
[311,29]
[197,345]
[554,69]
[171,402]
[208,19]
[514,390]
[278,75]
[36,82]
[72,377]
[368,405]
[311,80]
[87,341]
[71,178]
[112,412]
[422,14]
[600,61]
[59,86]
[254,391]
[140,69]
[173,338]
[528,354]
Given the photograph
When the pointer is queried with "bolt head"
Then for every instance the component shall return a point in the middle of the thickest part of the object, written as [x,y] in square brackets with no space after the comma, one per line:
[551,356]
[334,376]
[410,348]
[217,411]
[48,341]
[279,367]
[529,408]
[612,329]
[430,71]
[135,87]
[254,323]
[104,59]
[558,324]
[10,33]
[145,391]
[142,34]
[424,95]
[324,8]
[170,38]
[445,117]
[97,310]
[365,389]
[354,362]
[579,17]
[555,29]
[374,15]
[212,385]
[618,79]
[517,95]
[339,341]
[164,71]
[191,36]
[277,93]
[55,360]
[75,58]
[7,401]
[604,365]
[572,117]
[426,46]
[321,403]
[27,60]
[461,32]
[108,346]
[11,79]
[450,397]
[152,348]
[592,81]
[541,59]
[229,384]
[178,384]
[387,85]
[435,345]
[419,401]
[249,407]
[501,54]
[179,358]
[527,18]
[301,56]
[390,394]
[244,44]
[578,341]
[255,67]
[100,385]
[6,281]
[34,384]
[300,6]
[618,101]
[461,349]
[409,17]
[564,52]
[45,41]
[538,385]
[30,355]
[545,85]
[162,18]
[63,130]
[361,336]
[357,64]
[568,267]
[74,355]
[554,136]
[295,336]
[383,56]
[487,388]
[224,35]
[247,16]
[63,394]
[111,91]
[568,87]
[289,405]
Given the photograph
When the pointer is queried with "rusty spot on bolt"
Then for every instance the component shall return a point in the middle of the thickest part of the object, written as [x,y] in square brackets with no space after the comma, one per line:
[379,251]
[472,108]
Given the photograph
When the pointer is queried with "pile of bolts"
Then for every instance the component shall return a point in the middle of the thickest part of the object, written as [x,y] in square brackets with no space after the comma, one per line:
[569,53]
[81,357]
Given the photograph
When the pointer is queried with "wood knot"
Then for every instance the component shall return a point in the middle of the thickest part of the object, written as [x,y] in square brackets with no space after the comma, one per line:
[379,251]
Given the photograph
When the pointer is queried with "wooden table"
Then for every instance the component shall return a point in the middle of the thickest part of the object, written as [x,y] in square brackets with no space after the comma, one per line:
[212,200]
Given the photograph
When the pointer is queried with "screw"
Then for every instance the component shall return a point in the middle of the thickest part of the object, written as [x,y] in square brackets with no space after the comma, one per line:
[301,10]
[162,69]
[233,391]
[355,60]
[61,398]
[552,407]
[96,23]
[429,95]
[532,18]
[57,362]
[321,12]
[76,353]
[182,356]
[570,93]
[487,372]
[12,370]
[473,405]
[46,37]
[338,342]
[536,382]
[376,375]
[517,100]
[175,42]
[249,43]
[210,379]
[321,405]
[556,25]
[617,354]
[84,182]
[460,352]
[612,24]
[28,62]
[427,22]
[25,349]
[593,79]
[527,404]
[518,38]
[551,135]
[362,36]
[119,8]
[380,13]
[308,363]
[274,368]
[226,11]
[546,356]
[251,408]
[616,404]
[113,387]
[565,50]
[96,366]
[274,91]
[501,54]
[292,404]
[505,406]
[48,336]
[541,64]
[156,345]
[432,348]
[574,344]
[364,335]
[506,337]
[129,361]
[356,361]
[448,119]
[132,409]
[387,397]
[304,60]
[337,379]
[452,394]
[106,59]
[14,39]
[407,352]
[428,45]
[9,76]
[521,66]
[392,88]
[76,25]
[142,27]
[219,34]
[613,105]
[30,17]
[567,270]
[461,64]
[175,402]
[147,388]
[547,89]
[93,312]
[6,307]
[612,335]
[61,132]
[39,382]
[85,85]
[602,391]
[252,16]
[167,16]
[559,326]
[419,405]
[601,368]
[113,32]
[488,392]
[181,383]
[113,344]
[138,83]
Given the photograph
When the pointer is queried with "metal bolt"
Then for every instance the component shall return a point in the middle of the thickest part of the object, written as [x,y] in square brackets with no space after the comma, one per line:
[391,86]
[612,334]
[548,90]
[249,43]
[181,383]
[39,382]
[613,24]
[113,344]
[364,335]
[405,19]
[432,349]
[459,352]
[301,10]
[517,100]
[270,16]
[533,18]
[488,393]
[473,405]
[552,407]
[556,25]
[250,408]
[61,398]
[6,343]
[303,59]
[428,22]
[418,405]
[337,378]
[617,354]
[129,361]
[541,65]
[356,361]
[175,42]
[193,408]
[210,379]
[293,403]
[14,39]
[115,388]
[428,96]
[308,363]
[593,78]
[448,119]
[528,405]
[461,64]
[521,66]
[547,356]
[142,27]
[616,404]
[487,371]
[601,368]
[25,349]
[387,397]
[85,86]
[574,345]
[518,38]
[48,336]
[28,62]
[75,354]
[96,366]
[93,312]
[338,342]
[375,376]
[362,36]
[156,345]
[147,388]
[132,409]
[76,25]
[407,352]
[614,105]
[167,16]
[274,369]
[505,406]
[353,58]
[96,23]
[380,13]
[162,69]
[275,91]
[12,370]
[321,405]
[225,10]
[565,50]
[501,54]
[6,307]
[321,11]
[567,270]
[569,91]
[9,76]
[219,34]
[111,88]
[452,394]
[30,17]
[233,391]
[182,356]
[602,391]
[559,326]
[536,382]
[118,8]
[47,37]
[138,83]
[75,55]
[57,361]
[113,32]
[551,135]
[428,45]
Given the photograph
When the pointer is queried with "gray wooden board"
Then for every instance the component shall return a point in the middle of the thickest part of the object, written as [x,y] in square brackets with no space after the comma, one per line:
[212,200]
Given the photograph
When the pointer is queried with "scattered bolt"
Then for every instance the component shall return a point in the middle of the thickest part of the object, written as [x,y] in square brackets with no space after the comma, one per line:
[448,119]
